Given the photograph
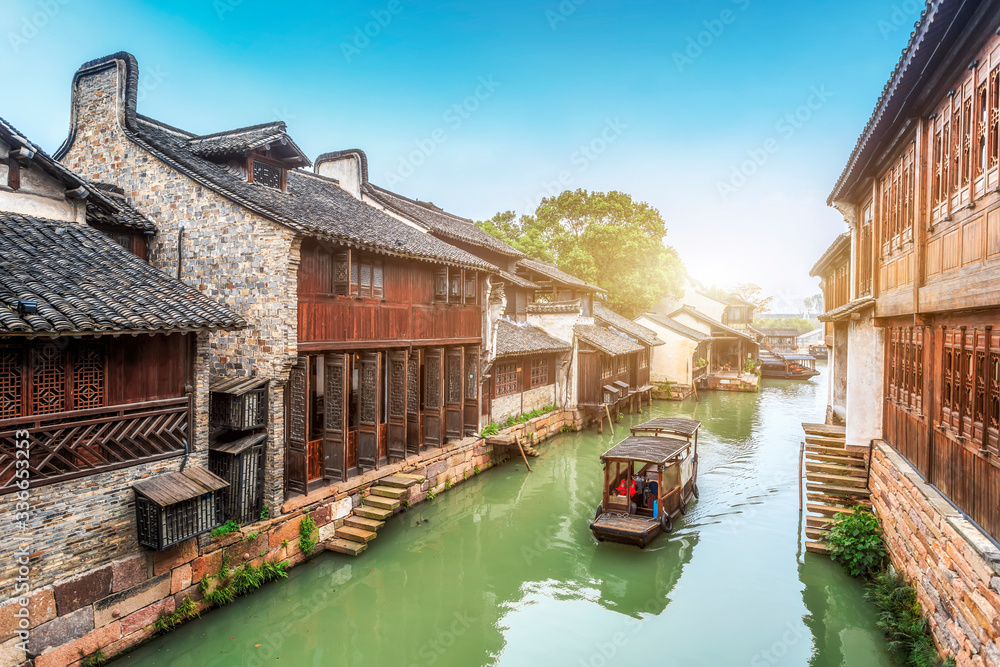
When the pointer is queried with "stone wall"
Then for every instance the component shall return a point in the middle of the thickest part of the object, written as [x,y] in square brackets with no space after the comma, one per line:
[523,402]
[954,566]
[111,606]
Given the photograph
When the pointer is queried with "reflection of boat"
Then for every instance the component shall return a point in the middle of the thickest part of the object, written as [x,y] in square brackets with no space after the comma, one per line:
[649,478]
[787,366]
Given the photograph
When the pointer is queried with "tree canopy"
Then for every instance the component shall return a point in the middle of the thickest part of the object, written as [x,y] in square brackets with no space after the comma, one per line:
[607,239]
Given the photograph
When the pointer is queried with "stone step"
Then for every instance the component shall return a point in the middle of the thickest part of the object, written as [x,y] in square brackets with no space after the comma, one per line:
[821,522]
[836,443]
[824,430]
[854,461]
[393,492]
[834,469]
[835,489]
[345,546]
[837,480]
[833,451]
[817,547]
[399,481]
[843,501]
[370,512]
[816,534]
[416,478]
[381,503]
[828,510]
[364,523]
[353,534]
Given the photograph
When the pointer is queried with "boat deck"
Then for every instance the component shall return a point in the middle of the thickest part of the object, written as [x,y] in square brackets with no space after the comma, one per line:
[629,529]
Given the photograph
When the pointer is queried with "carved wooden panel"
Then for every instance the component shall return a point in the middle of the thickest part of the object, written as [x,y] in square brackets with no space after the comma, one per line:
[471,390]
[48,387]
[433,403]
[295,452]
[89,379]
[454,422]
[369,391]
[972,241]
[11,382]
[934,256]
[335,418]
[950,249]
[413,416]
[396,436]
[993,232]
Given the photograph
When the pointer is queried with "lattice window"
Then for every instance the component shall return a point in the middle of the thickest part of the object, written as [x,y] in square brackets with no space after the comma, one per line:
[354,277]
[983,127]
[365,284]
[607,368]
[441,285]
[471,375]
[378,278]
[506,379]
[413,384]
[48,387]
[622,365]
[88,377]
[267,174]
[968,120]
[455,287]
[471,287]
[342,273]
[397,383]
[643,360]
[11,382]
[993,409]
[369,396]
[539,372]
[335,399]
[454,378]
[994,118]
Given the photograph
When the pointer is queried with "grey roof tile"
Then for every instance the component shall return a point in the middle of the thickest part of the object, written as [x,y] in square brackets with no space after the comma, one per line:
[554,273]
[522,339]
[606,316]
[606,341]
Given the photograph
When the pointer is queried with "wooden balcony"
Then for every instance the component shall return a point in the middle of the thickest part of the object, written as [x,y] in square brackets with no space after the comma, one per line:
[68,445]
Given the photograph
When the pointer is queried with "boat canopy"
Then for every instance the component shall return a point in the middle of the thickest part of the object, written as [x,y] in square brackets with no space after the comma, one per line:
[798,357]
[675,425]
[648,449]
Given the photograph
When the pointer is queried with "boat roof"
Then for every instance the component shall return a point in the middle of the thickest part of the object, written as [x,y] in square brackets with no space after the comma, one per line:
[799,357]
[646,448]
[677,425]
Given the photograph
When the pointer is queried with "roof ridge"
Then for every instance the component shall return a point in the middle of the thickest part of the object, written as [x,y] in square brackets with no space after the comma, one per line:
[278,124]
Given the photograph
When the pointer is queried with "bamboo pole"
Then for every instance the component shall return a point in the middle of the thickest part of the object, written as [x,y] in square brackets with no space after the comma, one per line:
[607,411]
[524,456]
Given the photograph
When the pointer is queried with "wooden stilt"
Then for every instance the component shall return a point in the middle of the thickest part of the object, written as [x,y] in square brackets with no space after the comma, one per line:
[523,455]
[607,411]
[802,449]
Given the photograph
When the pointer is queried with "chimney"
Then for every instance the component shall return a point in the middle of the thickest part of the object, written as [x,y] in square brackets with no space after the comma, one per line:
[102,103]
[350,167]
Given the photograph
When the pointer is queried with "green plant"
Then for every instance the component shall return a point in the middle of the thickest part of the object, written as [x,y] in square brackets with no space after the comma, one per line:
[447,484]
[855,541]
[701,363]
[621,415]
[265,513]
[404,503]
[490,430]
[900,618]
[251,537]
[430,494]
[221,596]
[306,541]
[465,475]
[476,470]
[246,579]
[167,622]
[226,528]
[95,659]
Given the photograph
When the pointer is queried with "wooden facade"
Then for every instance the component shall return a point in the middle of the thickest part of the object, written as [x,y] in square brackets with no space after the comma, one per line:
[389,362]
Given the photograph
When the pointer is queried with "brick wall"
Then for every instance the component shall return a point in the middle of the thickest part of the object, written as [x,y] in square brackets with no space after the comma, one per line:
[954,567]
[523,402]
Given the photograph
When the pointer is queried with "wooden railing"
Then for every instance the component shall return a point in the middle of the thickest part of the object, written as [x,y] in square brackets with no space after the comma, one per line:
[68,445]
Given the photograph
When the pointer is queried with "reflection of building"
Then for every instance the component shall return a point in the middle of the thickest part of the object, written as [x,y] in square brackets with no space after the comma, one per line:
[911,294]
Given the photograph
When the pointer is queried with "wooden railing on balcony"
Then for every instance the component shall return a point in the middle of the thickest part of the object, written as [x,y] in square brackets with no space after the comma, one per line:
[68,445]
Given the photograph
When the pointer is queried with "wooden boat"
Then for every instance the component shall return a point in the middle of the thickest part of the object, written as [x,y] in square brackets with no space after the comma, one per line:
[819,351]
[649,478]
[788,366]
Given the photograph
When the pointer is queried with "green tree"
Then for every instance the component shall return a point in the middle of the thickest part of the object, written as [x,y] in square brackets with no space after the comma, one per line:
[607,239]
[752,292]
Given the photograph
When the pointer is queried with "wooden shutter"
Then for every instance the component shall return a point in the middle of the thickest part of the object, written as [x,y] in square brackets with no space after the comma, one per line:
[433,412]
[342,273]
[413,414]
[453,395]
[378,278]
[471,390]
[397,406]
[295,446]
[335,418]
[368,418]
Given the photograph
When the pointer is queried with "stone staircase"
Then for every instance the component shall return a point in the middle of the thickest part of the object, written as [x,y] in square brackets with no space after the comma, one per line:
[362,524]
[836,481]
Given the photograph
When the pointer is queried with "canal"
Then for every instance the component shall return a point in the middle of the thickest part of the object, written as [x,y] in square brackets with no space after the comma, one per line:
[503,570]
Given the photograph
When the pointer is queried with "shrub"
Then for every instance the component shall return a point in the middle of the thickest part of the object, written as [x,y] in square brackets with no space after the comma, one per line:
[899,617]
[855,541]
[306,528]
[430,494]
[226,528]
[489,431]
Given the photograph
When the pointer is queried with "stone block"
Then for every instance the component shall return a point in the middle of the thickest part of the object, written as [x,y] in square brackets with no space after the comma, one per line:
[124,603]
[208,564]
[61,630]
[70,653]
[185,552]
[128,572]
[189,592]
[41,609]
[326,532]
[10,654]
[82,590]
[180,578]
[286,531]
[138,620]
[128,642]
[321,515]
[340,509]
[246,549]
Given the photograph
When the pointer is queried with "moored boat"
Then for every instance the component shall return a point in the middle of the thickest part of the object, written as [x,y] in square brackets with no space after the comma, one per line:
[787,366]
[649,478]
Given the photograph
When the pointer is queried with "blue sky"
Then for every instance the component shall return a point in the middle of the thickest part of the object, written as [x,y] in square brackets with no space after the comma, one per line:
[733,117]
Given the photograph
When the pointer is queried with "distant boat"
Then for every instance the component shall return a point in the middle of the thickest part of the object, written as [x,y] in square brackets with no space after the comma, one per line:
[788,366]
[649,478]
[819,351]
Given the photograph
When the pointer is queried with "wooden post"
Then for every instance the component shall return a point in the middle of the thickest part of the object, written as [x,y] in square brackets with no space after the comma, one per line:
[524,456]
[802,448]
[607,411]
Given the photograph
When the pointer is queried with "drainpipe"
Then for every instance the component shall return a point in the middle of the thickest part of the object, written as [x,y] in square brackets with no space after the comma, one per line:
[180,239]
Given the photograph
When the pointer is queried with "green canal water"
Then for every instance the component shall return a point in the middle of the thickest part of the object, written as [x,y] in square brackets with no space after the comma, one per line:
[503,570]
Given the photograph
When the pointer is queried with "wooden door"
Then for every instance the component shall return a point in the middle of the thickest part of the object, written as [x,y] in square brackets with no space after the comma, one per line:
[433,399]
[471,390]
[413,433]
[335,417]
[454,397]
[397,405]
[368,417]
[296,471]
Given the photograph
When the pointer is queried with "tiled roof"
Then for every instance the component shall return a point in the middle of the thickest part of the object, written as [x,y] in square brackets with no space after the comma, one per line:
[246,139]
[86,283]
[521,339]
[553,273]
[441,222]
[555,307]
[631,329]
[519,281]
[677,327]
[694,312]
[313,204]
[606,341]
[847,309]
[123,215]
[841,243]
[779,332]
